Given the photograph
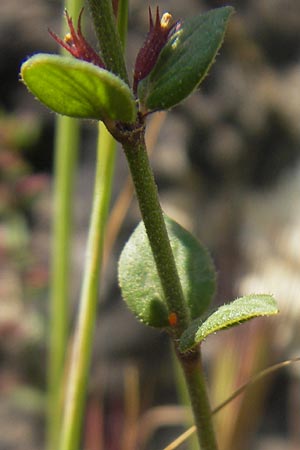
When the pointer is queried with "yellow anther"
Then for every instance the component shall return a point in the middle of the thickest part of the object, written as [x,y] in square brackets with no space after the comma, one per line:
[166,20]
[68,38]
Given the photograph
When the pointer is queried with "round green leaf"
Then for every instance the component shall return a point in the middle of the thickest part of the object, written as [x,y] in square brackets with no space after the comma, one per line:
[78,89]
[185,60]
[227,316]
[140,283]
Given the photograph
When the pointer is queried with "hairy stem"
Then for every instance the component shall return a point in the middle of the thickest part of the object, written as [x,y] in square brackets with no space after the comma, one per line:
[152,215]
[194,377]
[108,37]
[122,20]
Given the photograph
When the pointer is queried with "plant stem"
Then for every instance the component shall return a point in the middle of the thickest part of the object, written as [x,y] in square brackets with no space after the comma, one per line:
[83,338]
[108,37]
[194,377]
[66,145]
[122,21]
[147,194]
[65,162]
[183,395]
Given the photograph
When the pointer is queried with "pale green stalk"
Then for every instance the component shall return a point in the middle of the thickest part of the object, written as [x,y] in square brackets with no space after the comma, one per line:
[65,161]
[65,165]
[83,338]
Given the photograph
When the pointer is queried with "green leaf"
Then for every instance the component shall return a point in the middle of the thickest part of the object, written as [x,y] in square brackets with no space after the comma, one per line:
[78,89]
[185,60]
[140,283]
[227,316]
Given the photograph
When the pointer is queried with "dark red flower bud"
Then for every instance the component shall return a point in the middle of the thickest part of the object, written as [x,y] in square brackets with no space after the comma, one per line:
[75,43]
[156,38]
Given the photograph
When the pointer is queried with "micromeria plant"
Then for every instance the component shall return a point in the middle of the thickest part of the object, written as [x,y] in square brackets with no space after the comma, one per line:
[166,276]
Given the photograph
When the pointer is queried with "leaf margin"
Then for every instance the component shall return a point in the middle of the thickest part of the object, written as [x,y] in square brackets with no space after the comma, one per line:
[68,67]
[199,329]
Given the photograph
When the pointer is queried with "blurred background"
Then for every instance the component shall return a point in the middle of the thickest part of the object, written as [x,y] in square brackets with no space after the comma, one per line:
[228,169]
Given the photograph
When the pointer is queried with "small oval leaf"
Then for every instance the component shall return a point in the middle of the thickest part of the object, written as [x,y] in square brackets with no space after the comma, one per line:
[140,283]
[78,89]
[227,316]
[185,60]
